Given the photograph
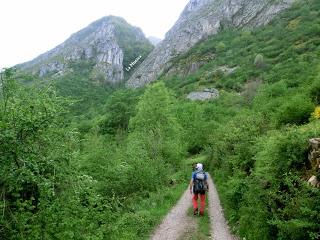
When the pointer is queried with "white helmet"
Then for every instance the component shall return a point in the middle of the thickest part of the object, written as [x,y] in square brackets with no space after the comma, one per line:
[199,167]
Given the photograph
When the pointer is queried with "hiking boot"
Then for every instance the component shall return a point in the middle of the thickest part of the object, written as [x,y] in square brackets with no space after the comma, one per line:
[201,213]
[195,211]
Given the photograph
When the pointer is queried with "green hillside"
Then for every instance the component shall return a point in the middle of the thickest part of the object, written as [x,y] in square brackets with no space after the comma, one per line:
[257,133]
[81,161]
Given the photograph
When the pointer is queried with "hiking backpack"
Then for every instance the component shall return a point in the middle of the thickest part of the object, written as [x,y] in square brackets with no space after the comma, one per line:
[199,185]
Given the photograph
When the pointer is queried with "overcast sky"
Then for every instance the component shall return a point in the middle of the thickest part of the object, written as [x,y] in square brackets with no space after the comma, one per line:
[31,27]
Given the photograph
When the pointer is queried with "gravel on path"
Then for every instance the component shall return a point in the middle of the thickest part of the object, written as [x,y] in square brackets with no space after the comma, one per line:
[177,223]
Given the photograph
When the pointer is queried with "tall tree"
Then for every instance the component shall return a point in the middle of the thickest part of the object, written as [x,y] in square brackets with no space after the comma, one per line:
[156,125]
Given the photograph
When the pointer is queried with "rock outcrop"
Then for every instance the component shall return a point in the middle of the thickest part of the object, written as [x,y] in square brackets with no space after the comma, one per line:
[314,158]
[206,94]
[200,19]
[101,43]
[313,181]
[314,155]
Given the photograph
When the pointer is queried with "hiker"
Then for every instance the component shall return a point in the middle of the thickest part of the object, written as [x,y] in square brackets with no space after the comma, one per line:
[199,186]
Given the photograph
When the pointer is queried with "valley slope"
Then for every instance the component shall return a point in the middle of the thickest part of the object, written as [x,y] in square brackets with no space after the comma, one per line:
[199,20]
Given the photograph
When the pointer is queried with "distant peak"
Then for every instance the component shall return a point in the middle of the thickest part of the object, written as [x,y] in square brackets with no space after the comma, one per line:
[111,19]
[109,44]
[194,5]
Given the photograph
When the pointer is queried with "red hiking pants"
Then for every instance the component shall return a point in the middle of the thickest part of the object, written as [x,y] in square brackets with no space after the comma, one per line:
[202,201]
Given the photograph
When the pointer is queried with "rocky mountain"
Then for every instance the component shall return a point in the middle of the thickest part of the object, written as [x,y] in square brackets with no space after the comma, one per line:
[108,44]
[200,19]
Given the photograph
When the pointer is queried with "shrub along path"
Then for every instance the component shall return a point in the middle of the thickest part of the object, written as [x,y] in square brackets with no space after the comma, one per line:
[178,224]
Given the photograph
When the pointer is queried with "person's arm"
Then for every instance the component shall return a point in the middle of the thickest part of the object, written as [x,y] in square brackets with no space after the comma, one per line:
[206,182]
[191,185]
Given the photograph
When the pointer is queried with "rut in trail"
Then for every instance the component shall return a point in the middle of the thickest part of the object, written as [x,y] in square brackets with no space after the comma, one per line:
[219,226]
[177,223]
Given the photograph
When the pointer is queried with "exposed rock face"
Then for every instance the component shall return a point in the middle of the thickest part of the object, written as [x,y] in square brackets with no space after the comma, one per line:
[98,43]
[186,70]
[200,19]
[204,95]
[314,155]
[188,66]
[222,70]
[314,158]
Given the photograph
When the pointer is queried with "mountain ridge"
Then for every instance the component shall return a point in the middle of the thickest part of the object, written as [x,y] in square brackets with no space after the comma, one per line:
[199,20]
[106,42]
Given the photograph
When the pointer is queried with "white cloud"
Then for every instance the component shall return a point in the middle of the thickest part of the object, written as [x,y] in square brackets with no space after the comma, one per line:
[31,27]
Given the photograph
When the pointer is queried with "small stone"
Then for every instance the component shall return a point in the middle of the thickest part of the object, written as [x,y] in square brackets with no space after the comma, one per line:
[314,154]
[313,181]
[315,143]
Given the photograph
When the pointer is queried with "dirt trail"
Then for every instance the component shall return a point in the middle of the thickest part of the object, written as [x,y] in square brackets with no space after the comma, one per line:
[219,226]
[178,224]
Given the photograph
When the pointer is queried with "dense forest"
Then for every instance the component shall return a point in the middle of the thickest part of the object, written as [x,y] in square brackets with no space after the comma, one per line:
[83,161]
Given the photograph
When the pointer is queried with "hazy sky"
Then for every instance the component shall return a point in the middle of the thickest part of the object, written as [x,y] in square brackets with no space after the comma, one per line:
[31,27]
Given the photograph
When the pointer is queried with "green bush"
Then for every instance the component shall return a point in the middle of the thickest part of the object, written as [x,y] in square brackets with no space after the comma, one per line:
[119,108]
[221,47]
[287,204]
[296,110]
[315,91]
[35,152]
[156,126]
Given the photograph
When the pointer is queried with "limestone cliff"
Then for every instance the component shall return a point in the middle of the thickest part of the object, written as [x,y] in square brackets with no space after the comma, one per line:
[106,43]
[200,19]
